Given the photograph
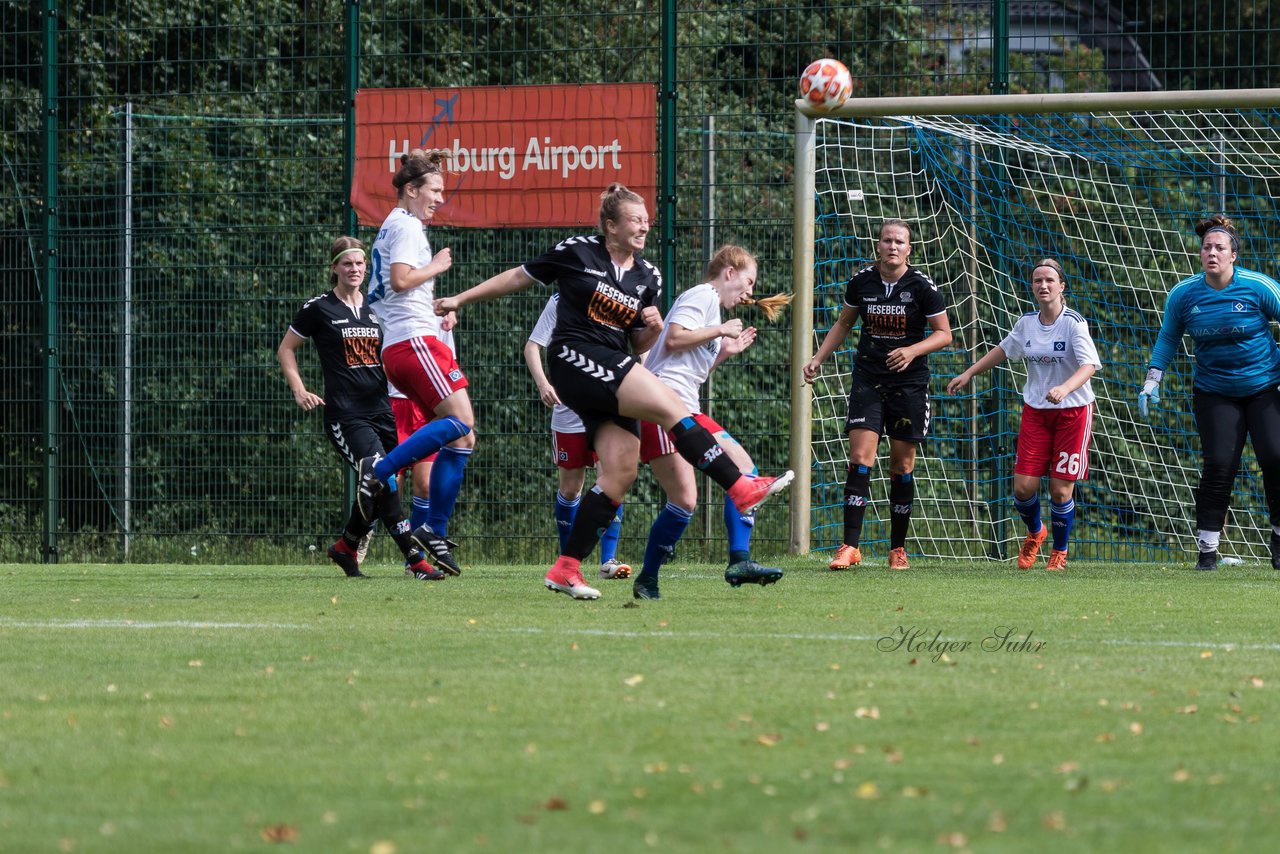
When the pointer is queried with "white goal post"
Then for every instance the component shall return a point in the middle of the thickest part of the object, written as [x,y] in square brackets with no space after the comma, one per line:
[1110,184]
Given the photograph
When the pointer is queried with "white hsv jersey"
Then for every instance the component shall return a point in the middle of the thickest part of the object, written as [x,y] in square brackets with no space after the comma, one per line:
[1052,354]
[402,240]
[685,372]
[563,419]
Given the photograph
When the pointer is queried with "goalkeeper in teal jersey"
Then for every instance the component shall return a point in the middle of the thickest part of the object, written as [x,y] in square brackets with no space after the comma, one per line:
[1227,311]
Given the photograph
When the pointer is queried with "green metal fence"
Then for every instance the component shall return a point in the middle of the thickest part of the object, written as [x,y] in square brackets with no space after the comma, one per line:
[173,174]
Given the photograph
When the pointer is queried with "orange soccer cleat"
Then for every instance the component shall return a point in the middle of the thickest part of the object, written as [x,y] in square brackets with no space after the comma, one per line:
[1031,548]
[846,556]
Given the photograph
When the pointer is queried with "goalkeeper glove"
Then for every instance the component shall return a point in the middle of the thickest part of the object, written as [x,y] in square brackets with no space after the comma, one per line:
[1150,391]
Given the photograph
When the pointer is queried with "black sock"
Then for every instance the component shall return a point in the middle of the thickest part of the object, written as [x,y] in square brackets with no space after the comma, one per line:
[902,492]
[856,487]
[391,514]
[400,533]
[696,444]
[356,528]
[595,513]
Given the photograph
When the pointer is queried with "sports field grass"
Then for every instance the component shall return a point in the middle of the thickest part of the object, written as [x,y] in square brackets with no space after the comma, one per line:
[196,708]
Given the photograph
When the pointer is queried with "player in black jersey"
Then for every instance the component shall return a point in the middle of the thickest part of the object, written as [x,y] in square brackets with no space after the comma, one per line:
[357,413]
[608,296]
[904,318]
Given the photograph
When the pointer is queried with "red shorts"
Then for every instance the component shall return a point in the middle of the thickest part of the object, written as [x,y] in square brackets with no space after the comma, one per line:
[571,450]
[1055,442]
[424,370]
[408,420]
[656,442]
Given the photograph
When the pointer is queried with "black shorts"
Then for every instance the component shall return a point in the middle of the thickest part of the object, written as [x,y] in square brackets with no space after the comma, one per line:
[587,378]
[899,410]
[358,436]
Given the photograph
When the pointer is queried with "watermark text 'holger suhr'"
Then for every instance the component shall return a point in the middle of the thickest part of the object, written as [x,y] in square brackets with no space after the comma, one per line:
[930,642]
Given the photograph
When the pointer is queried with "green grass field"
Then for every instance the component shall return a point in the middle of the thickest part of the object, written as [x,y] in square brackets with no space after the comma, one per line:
[152,708]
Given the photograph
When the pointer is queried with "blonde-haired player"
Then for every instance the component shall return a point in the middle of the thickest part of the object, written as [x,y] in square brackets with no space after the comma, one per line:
[608,313]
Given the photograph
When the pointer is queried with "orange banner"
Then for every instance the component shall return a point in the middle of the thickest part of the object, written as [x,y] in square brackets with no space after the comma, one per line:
[519,156]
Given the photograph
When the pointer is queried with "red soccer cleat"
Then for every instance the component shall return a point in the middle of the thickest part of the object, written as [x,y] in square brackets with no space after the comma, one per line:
[748,493]
[566,577]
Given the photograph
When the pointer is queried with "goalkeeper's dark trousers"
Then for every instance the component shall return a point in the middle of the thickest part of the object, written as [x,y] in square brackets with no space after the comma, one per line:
[1223,423]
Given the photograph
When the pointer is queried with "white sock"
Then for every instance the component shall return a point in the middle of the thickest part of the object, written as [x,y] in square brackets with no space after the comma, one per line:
[1207,541]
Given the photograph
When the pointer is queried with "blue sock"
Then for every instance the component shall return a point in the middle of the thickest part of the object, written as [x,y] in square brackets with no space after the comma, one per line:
[1063,517]
[421,511]
[609,540]
[1029,510]
[566,509]
[739,528]
[446,481]
[663,536]
[424,442]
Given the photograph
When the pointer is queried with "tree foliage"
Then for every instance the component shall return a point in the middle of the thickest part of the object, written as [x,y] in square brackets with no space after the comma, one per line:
[235,192]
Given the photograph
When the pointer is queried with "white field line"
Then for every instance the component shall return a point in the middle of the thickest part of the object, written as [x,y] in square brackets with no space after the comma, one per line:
[138,624]
[1269,647]
[612,633]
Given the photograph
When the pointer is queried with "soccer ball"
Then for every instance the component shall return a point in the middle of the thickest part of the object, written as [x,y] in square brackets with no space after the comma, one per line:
[826,84]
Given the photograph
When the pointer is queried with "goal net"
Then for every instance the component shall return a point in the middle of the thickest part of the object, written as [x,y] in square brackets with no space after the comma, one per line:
[1112,193]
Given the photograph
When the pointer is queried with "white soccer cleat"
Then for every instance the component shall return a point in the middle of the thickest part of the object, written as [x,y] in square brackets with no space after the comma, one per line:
[570,583]
[615,569]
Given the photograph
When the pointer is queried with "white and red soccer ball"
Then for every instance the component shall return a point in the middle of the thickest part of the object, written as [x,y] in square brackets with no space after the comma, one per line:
[826,84]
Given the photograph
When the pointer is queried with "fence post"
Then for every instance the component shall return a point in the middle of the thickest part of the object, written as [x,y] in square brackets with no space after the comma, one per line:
[349,114]
[350,223]
[667,147]
[1000,47]
[126,339]
[49,275]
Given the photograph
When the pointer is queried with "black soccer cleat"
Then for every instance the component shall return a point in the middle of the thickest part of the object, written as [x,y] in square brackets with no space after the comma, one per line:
[423,571]
[346,560]
[1275,551]
[750,572]
[1207,561]
[645,589]
[368,488]
[437,548]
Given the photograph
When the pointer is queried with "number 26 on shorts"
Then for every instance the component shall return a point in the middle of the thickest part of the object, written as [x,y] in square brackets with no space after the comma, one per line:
[1068,464]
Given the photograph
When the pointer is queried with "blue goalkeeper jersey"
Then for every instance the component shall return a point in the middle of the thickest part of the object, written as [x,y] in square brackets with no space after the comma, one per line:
[1235,349]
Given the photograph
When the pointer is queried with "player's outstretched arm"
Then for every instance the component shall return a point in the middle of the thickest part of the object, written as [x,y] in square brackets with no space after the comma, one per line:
[506,282]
